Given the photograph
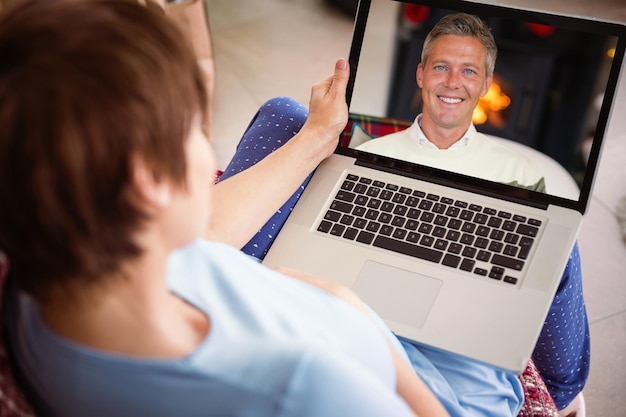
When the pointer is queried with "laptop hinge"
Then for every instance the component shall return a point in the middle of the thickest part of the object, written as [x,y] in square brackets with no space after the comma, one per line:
[464,183]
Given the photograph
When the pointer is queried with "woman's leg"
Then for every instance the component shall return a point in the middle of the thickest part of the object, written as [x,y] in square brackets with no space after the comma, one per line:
[562,352]
[276,122]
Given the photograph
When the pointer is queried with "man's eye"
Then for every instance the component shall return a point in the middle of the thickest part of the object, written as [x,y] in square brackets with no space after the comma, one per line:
[469,71]
[440,68]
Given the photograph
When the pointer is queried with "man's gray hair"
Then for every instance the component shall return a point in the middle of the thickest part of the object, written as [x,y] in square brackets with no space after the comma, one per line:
[463,24]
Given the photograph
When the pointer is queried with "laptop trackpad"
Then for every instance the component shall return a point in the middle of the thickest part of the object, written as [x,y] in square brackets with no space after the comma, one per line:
[396,294]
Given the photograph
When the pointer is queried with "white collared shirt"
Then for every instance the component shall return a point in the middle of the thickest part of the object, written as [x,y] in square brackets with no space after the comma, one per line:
[415,132]
[475,154]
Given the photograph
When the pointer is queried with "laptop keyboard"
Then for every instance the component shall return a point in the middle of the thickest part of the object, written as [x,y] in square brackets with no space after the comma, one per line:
[457,234]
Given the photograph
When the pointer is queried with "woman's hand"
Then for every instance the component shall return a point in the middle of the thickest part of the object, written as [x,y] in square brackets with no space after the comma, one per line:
[330,287]
[328,110]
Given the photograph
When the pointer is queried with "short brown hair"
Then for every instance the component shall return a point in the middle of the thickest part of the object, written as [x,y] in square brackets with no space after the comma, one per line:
[463,24]
[84,85]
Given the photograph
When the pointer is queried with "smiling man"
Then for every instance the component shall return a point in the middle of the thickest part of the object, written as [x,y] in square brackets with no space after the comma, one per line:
[456,69]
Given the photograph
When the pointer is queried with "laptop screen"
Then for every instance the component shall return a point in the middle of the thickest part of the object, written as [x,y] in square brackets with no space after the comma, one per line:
[550,97]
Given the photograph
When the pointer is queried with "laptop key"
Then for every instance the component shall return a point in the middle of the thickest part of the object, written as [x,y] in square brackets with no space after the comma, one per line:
[453,235]
[483,255]
[525,244]
[399,198]
[427,217]
[347,219]
[411,225]
[439,231]
[341,206]
[510,279]
[455,224]
[509,226]
[455,248]
[481,243]
[387,206]
[451,260]
[386,230]
[337,229]
[372,214]
[504,214]
[511,238]
[524,229]
[439,208]
[496,246]
[373,191]
[360,223]
[324,226]
[413,237]
[507,262]
[360,188]
[400,234]
[496,273]
[365,237]
[414,213]
[467,239]
[412,201]
[351,233]
[359,211]
[426,205]
[386,195]
[373,226]
[510,250]
[333,216]
[409,249]
[467,264]
[347,185]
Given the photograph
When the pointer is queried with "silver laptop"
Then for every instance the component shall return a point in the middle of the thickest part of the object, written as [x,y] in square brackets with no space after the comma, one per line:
[454,262]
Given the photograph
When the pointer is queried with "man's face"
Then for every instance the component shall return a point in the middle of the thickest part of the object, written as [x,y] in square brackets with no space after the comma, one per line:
[452,81]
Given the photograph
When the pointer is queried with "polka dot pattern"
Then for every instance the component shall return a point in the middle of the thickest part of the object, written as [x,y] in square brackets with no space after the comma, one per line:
[277,121]
[562,354]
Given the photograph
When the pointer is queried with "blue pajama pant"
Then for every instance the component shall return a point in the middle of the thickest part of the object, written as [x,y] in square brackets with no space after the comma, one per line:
[562,352]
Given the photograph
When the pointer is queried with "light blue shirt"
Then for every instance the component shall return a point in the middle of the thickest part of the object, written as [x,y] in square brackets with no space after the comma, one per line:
[277,347]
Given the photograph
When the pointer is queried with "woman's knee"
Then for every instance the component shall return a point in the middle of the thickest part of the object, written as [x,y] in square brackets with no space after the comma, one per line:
[283,113]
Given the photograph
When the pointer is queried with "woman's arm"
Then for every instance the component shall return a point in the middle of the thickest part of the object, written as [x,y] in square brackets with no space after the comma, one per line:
[243,203]
[409,385]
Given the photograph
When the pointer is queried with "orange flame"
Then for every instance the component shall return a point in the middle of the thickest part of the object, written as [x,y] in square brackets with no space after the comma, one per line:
[490,104]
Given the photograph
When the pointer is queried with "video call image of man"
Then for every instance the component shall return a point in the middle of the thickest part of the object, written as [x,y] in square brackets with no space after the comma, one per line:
[456,70]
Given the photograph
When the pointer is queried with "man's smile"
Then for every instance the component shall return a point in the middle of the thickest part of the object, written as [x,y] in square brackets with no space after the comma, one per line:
[450,100]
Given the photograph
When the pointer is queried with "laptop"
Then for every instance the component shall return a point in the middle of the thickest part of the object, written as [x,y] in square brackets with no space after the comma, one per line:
[454,262]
